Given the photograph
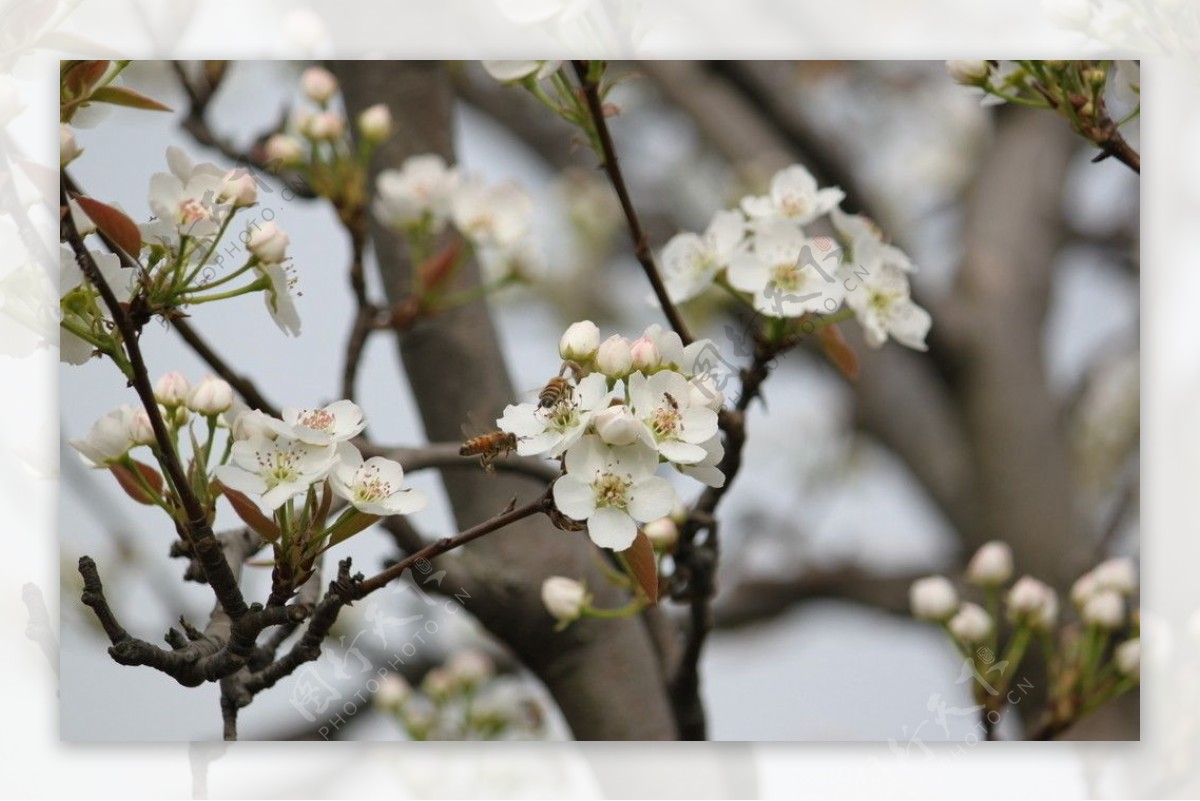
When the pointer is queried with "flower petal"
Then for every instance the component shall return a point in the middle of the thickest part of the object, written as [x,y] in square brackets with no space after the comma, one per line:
[574,498]
[612,528]
[651,499]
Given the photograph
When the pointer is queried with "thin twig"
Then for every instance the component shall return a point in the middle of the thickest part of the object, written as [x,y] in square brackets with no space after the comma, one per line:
[641,243]
[365,310]
[244,386]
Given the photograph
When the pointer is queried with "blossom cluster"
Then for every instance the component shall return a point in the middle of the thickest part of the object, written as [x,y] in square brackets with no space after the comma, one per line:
[181,253]
[425,194]
[762,251]
[314,129]
[275,459]
[1032,609]
[626,407]
[461,699]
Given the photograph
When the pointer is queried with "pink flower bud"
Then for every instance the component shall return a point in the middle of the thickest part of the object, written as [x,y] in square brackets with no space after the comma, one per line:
[211,396]
[240,188]
[326,125]
[171,389]
[645,353]
[319,84]
[614,358]
[269,243]
[616,425]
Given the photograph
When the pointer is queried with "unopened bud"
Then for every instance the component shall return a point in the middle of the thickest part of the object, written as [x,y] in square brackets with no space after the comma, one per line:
[614,358]
[319,84]
[580,341]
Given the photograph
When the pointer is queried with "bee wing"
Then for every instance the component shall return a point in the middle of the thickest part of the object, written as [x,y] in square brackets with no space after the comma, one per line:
[477,423]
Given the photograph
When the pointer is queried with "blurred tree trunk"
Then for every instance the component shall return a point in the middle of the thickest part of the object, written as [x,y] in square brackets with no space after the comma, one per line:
[604,675]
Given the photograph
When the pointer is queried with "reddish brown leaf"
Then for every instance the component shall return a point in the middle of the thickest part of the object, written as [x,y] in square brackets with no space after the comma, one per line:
[82,75]
[839,352]
[119,228]
[250,514]
[137,489]
[435,270]
[641,561]
[124,96]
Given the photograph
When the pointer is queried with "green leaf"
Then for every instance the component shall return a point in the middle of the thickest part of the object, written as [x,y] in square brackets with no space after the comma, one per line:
[350,523]
[124,96]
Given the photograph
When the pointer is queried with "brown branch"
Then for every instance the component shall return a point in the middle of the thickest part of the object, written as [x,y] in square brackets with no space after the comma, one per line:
[697,559]
[244,386]
[641,243]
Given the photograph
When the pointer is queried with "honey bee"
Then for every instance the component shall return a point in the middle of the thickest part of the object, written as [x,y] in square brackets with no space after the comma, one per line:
[670,399]
[489,447]
[556,389]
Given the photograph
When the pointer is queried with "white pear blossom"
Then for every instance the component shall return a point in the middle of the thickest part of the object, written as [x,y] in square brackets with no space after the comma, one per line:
[109,440]
[1106,609]
[375,486]
[864,245]
[881,301]
[211,396]
[252,423]
[325,126]
[285,149]
[670,424]
[674,356]
[550,431]
[1032,601]
[420,191]
[393,691]
[276,469]
[513,71]
[614,357]
[278,296]
[186,200]
[793,197]
[580,341]
[338,422]
[690,261]
[969,73]
[492,216]
[171,389]
[141,430]
[268,243]
[613,489]
[1128,657]
[375,123]
[470,668]
[663,533]
[617,425]
[68,148]
[707,470]
[1118,574]
[991,565]
[239,188]
[933,598]
[319,84]
[787,273]
[564,598]
[971,623]
[1083,589]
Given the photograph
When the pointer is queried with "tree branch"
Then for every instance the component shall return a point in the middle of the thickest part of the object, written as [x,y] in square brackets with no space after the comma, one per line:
[641,243]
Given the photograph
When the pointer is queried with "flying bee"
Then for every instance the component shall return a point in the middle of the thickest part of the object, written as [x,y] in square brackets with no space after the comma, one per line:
[557,389]
[489,447]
